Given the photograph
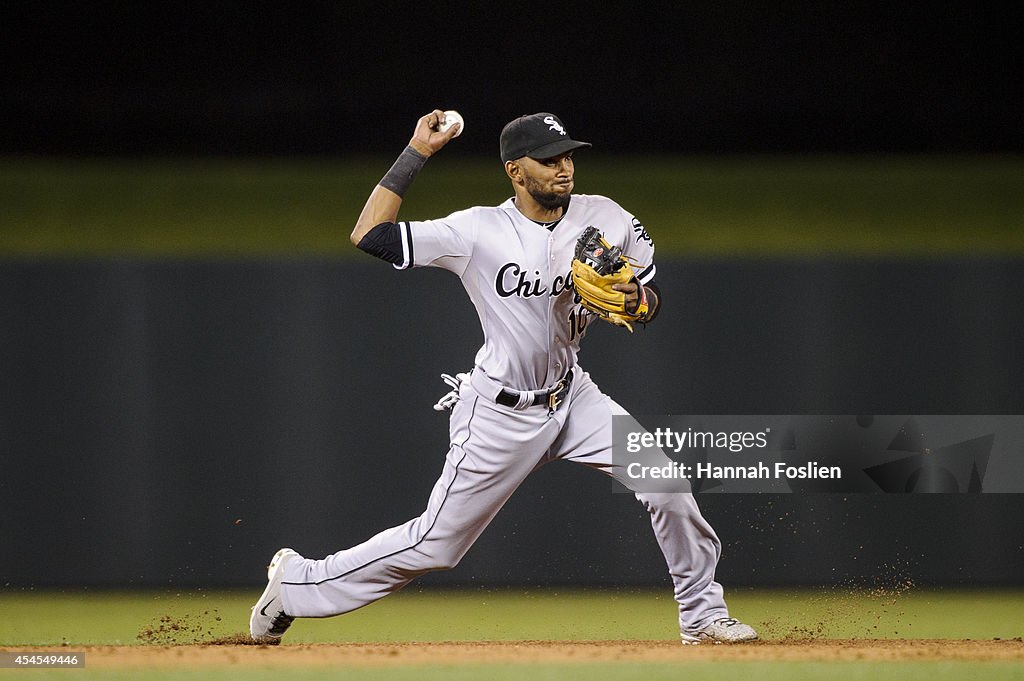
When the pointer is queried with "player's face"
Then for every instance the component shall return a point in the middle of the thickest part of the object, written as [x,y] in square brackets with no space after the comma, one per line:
[549,181]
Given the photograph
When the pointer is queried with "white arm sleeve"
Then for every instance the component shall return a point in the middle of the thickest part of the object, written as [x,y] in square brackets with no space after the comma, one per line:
[446,243]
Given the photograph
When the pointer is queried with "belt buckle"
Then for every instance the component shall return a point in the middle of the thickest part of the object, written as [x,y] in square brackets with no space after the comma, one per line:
[554,397]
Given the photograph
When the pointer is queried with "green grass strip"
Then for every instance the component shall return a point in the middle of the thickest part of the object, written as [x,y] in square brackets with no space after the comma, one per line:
[197,616]
[871,206]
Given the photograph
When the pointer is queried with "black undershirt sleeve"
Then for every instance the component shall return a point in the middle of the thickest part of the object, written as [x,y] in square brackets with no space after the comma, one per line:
[385,242]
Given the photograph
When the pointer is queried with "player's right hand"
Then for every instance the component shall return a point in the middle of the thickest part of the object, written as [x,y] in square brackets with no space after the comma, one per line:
[426,139]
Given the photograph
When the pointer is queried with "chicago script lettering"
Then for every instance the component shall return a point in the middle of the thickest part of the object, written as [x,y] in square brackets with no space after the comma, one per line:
[513,280]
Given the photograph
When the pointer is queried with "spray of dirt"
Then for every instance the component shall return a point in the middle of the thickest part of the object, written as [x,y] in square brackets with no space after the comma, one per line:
[174,630]
[870,608]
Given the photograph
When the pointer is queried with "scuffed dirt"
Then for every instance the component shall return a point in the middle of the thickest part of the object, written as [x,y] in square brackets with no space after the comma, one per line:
[237,651]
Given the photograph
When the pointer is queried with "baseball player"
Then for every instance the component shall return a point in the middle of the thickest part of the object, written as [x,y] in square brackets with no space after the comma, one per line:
[527,401]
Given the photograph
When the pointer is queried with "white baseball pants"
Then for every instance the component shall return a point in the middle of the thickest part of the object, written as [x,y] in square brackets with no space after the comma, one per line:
[493,449]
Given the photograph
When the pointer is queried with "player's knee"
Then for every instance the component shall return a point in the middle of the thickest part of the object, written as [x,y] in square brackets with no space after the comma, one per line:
[444,558]
[446,562]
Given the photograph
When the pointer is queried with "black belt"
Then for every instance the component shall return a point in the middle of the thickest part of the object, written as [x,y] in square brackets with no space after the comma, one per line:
[551,397]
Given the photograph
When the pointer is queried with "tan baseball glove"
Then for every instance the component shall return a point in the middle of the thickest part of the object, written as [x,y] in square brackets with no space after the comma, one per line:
[596,268]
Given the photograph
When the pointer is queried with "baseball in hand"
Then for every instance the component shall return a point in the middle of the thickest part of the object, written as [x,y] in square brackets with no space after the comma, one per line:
[450,119]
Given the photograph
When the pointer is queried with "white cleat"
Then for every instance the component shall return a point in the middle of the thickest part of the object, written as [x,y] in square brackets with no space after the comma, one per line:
[269,621]
[722,630]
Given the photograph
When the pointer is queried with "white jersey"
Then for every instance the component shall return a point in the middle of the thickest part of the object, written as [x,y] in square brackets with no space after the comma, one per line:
[517,274]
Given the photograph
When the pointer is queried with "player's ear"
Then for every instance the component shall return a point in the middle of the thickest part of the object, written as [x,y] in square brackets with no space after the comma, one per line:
[514,172]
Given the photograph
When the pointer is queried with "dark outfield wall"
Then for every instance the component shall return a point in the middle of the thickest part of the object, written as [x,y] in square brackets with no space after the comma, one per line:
[174,423]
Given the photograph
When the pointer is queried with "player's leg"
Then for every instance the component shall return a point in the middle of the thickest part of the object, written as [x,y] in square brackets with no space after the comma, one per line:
[493,450]
[688,542]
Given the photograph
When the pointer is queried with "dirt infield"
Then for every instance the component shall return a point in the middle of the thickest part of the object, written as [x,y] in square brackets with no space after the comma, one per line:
[228,653]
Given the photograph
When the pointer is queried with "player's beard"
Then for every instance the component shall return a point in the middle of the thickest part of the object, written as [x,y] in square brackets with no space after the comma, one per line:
[547,200]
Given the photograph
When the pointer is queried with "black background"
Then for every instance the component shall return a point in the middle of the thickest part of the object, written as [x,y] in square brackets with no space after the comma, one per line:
[333,78]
